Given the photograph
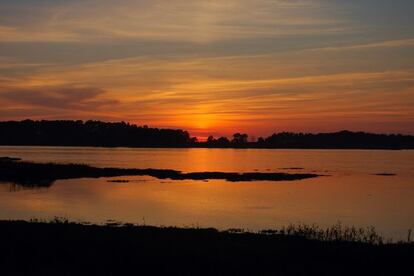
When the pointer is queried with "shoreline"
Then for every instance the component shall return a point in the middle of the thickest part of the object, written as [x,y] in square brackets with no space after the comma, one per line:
[62,247]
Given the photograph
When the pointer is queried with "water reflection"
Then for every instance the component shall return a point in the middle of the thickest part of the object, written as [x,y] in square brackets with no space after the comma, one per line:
[353,194]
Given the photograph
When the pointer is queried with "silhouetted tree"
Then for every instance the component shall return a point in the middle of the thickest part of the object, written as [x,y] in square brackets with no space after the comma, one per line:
[260,141]
[223,142]
[239,139]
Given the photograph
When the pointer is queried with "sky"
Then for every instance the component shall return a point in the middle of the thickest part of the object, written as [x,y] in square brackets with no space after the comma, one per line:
[213,66]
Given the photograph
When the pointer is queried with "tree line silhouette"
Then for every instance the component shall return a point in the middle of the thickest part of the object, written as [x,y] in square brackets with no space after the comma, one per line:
[90,133]
[121,134]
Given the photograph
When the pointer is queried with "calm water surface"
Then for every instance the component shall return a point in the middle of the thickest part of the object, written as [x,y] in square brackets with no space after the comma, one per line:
[352,194]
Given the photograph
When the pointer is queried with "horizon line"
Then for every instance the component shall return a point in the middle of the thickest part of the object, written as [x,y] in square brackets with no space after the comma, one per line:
[206,137]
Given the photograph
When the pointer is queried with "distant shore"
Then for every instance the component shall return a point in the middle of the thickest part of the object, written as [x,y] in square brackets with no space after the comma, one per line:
[122,134]
[65,248]
[202,146]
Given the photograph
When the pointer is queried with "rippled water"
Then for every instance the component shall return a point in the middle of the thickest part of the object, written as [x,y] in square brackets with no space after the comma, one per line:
[352,193]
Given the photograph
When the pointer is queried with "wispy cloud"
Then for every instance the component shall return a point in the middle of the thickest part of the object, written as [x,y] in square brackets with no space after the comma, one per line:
[381,44]
[192,21]
[56,98]
[11,63]
[22,34]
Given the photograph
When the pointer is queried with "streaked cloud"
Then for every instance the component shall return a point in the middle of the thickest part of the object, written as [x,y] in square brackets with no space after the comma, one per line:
[188,92]
[195,21]
[213,66]
[381,44]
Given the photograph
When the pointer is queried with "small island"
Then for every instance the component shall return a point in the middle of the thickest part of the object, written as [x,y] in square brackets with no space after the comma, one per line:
[44,174]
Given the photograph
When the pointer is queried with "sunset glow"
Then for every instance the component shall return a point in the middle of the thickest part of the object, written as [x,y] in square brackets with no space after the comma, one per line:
[211,67]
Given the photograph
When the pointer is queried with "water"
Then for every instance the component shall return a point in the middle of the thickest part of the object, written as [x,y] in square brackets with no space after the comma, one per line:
[351,194]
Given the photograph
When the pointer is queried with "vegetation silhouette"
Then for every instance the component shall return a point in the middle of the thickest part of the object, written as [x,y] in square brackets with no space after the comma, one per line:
[342,140]
[90,133]
[64,248]
[121,134]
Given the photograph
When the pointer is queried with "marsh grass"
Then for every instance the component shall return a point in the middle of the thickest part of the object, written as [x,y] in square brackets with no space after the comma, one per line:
[61,247]
[335,233]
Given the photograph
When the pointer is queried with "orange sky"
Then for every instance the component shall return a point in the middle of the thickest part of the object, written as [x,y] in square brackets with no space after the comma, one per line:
[211,67]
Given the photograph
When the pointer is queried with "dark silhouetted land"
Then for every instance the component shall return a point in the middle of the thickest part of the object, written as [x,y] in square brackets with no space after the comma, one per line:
[90,133]
[44,174]
[102,134]
[63,248]
[385,174]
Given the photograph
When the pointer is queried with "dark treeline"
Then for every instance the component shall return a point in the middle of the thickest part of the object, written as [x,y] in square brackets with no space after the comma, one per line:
[96,133]
[89,133]
[337,140]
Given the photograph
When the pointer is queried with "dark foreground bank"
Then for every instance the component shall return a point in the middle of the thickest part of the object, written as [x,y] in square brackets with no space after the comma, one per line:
[74,249]
[44,174]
